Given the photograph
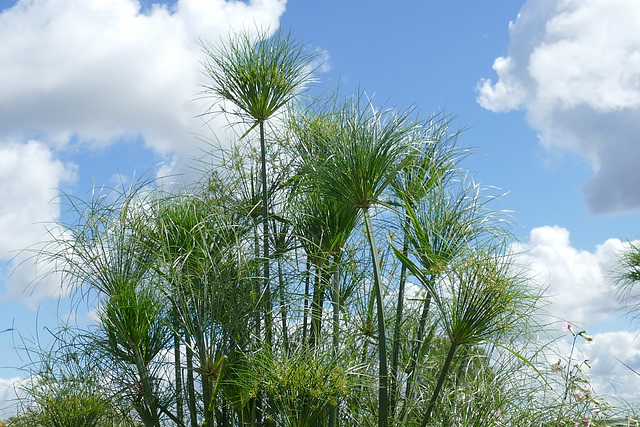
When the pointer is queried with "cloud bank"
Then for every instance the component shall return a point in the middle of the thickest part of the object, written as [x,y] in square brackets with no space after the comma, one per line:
[574,66]
[86,74]
[97,71]
[579,284]
[581,290]
[30,177]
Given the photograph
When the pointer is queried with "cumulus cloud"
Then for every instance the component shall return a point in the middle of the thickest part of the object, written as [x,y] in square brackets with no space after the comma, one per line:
[31,177]
[92,73]
[102,70]
[580,291]
[8,395]
[579,286]
[574,66]
[611,355]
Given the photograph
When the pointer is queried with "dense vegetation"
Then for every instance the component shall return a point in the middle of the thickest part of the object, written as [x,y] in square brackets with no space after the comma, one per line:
[340,270]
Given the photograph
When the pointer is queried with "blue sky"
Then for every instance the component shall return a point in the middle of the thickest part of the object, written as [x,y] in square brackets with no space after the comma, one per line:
[95,90]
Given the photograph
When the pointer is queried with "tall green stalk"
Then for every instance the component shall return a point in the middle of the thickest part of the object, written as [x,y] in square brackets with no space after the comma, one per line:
[383,376]
[259,77]
[361,149]
[443,375]
[395,352]
[265,239]
[434,164]
[335,302]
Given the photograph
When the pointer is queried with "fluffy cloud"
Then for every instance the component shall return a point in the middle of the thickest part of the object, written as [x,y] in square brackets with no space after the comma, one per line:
[8,395]
[30,177]
[91,73]
[580,290]
[578,285]
[94,71]
[608,353]
[575,67]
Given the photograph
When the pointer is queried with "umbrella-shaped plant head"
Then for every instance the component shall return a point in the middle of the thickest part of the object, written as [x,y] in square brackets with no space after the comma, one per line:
[479,298]
[358,160]
[258,76]
[459,257]
[365,152]
[433,165]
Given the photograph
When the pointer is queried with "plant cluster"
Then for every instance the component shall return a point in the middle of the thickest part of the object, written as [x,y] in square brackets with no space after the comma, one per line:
[342,271]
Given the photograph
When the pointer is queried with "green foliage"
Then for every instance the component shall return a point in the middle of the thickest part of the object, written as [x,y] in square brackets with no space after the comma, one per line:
[628,276]
[66,387]
[366,208]
[259,75]
[304,384]
[72,402]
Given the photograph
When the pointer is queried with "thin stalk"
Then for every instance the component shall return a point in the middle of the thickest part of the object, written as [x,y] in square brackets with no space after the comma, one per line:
[306,301]
[199,333]
[191,392]
[441,378]
[383,392]
[417,347]
[322,279]
[210,404]
[147,392]
[265,238]
[568,374]
[335,300]
[177,366]
[283,308]
[256,250]
[396,332]
[207,396]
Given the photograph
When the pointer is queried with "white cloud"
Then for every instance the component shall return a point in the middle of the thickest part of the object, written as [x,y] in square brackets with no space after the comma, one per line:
[580,289]
[608,353]
[578,282]
[101,70]
[92,73]
[8,395]
[30,179]
[600,361]
[574,66]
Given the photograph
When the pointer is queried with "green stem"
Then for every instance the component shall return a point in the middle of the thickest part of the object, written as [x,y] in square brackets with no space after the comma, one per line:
[383,396]
[191,401]
[335,299]
[147,387]
[397,329]
[177,365]
[321,282]
[306,301]
[283,308]
[416,352]
[265,238]
[443,375]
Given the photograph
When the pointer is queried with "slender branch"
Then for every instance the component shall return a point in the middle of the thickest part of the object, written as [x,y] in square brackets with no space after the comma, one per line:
[441,378]
[265,238]
[383,392]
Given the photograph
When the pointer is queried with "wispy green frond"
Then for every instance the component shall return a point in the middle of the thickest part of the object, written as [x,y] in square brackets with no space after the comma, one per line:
[258,75]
